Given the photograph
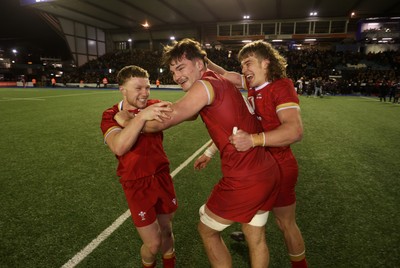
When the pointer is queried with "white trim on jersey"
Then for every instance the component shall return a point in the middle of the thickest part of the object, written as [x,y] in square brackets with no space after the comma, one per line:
[288,107]
[207,90]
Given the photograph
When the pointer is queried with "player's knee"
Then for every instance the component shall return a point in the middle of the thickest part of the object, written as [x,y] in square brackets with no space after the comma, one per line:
[259,220]
[165,228]
[285,224]
[210,222]
[280,223]
[153,247]
[166,232]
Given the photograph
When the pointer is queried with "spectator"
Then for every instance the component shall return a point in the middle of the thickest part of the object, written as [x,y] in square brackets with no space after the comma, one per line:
[105,82]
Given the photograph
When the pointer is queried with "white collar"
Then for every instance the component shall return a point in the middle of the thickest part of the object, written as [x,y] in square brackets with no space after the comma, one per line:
[262,86]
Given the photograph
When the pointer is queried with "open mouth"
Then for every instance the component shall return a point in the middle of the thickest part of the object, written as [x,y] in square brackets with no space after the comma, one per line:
[183,82]
[142,100]
[249,77]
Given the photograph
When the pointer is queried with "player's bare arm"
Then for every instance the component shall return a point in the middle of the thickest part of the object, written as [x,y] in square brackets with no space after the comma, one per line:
[184,109]
[158,111]
[123,117]
[234,77]
[121,141]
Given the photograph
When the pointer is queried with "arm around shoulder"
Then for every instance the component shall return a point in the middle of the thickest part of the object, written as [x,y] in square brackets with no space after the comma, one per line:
[233,77]
[186,108]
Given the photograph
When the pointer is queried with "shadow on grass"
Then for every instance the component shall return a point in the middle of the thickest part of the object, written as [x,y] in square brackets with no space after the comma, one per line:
[240,249]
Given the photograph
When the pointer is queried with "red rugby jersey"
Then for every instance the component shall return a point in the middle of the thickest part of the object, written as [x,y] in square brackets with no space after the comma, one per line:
[146,157]
[267,100]
[228,110]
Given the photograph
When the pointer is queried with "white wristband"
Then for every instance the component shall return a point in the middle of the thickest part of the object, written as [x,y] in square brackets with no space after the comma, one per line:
[211,150]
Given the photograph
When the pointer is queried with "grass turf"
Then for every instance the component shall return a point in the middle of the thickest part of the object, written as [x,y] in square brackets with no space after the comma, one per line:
[59,190]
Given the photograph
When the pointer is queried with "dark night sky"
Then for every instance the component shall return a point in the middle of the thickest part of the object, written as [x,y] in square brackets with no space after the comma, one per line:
[24,29]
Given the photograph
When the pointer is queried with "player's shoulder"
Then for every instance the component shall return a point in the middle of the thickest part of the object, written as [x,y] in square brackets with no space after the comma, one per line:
[111,110]
[210,78]
[283,82]
[282,85]
[152,101]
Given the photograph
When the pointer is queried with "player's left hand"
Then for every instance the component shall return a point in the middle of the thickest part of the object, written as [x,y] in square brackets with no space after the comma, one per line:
[201,162]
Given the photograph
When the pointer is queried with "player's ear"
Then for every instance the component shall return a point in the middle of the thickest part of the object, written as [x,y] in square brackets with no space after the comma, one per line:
[265,63]
[200,64]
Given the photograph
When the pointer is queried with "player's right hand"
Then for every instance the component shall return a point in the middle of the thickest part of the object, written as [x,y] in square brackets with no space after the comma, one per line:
[158,111]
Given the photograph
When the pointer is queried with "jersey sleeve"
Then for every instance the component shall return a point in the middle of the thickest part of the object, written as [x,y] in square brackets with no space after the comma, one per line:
[285,96]
[108,124]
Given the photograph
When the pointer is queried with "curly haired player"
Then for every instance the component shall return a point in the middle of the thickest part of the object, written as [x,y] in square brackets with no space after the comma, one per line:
[276,104]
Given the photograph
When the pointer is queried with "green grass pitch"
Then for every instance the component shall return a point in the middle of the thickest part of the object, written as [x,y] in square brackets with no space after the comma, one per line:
[59,191]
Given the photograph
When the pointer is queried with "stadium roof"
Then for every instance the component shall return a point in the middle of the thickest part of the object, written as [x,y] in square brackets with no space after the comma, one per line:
[168,14]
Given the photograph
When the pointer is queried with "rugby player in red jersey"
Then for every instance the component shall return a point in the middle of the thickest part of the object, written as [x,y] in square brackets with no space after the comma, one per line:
[276,104]
[250,181]
[143,166]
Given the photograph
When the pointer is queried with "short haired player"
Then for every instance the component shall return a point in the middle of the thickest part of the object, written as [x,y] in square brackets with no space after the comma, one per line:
[143,166]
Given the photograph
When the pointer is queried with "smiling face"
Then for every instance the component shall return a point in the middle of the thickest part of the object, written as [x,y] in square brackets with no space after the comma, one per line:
[255,70]
[185,72]
[136,91]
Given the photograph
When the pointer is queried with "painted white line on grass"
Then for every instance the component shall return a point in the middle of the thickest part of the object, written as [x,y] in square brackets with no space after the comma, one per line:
[118,222]
[79,94]
[18,99]
[184,164]
[42,98]
[96,242]
[369,98]
[376,99]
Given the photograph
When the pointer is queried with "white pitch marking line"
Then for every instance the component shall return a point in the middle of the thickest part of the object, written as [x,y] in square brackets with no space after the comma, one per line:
[55,96]
[79,94]
[118,222]
[18,99]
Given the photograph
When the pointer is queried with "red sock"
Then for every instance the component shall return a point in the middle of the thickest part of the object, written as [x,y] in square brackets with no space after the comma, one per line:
[169,260]
[299,264]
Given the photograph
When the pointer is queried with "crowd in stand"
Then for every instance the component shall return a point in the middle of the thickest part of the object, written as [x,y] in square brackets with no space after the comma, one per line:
[368,74]
[109,64]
